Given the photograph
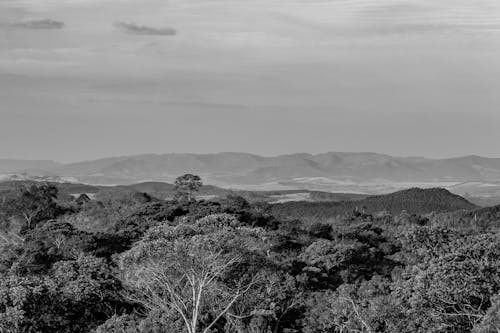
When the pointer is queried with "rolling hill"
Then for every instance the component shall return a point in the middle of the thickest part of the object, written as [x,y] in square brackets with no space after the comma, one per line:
[364,173]
[166,191]
[413,201]
[252,169]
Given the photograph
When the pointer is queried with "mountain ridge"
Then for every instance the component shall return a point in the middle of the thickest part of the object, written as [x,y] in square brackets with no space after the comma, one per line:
[363,172]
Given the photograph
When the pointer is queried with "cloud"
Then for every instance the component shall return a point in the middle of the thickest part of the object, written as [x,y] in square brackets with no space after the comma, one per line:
[41,24]
[132,28]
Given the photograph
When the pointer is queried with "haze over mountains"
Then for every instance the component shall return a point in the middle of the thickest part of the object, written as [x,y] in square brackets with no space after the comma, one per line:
[337,172]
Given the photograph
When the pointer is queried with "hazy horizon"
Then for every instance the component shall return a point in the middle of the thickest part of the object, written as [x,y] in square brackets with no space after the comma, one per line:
[250,153]
[86,79]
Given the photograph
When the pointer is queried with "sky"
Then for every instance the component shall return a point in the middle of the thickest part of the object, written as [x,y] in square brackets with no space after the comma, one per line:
[84,79]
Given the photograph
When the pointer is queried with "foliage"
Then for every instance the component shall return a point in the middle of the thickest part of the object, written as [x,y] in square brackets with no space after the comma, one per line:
[186,185]
[454,289]
[33,204]
[490,323]
[74,297]
[412,201]
[190,270]
[122,261]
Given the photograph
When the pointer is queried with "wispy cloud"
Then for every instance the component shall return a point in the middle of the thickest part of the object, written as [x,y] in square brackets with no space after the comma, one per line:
[40,24]
[133,28]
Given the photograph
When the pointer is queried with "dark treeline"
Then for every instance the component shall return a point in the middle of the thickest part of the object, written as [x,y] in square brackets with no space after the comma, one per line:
[413,201]
[132,263]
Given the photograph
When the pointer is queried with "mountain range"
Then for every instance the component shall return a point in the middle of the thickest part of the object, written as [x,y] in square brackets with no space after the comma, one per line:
[369,173]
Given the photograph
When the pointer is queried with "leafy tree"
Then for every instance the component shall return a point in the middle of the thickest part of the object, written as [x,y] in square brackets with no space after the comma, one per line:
[273,306]
[25,305]
[421,243]
[234,204]
[155,322]
[34,204]
[454,290]
[75,297]
[186,185]
[321,230]
[88,289]
[120,324]
[357,253]
[49,243]
[365,307]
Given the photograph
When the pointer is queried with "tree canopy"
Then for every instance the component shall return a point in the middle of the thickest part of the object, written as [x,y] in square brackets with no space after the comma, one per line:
[120,264]
[186,186]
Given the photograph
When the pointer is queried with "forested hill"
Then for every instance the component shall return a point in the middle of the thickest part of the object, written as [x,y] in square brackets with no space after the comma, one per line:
[418,201]
[413,201]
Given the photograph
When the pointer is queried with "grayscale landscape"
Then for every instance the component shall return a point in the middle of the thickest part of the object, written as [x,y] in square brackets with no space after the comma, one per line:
[249,166]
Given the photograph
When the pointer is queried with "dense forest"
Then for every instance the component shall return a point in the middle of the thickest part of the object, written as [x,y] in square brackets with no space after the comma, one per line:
[413,201]
[129,262]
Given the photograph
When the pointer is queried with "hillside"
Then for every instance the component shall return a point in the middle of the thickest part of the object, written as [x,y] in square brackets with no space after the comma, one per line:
[413,201]
[243,168]
[339,172]
[163,191]
[239,168]
[418,201]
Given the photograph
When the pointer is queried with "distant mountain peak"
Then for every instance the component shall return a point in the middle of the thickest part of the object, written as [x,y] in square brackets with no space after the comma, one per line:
[355,172]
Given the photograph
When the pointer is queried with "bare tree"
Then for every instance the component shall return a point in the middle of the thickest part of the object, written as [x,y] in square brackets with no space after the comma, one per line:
[187,276]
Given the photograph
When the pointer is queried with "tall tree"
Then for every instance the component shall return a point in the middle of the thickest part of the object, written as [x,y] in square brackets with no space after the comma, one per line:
[186,185]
